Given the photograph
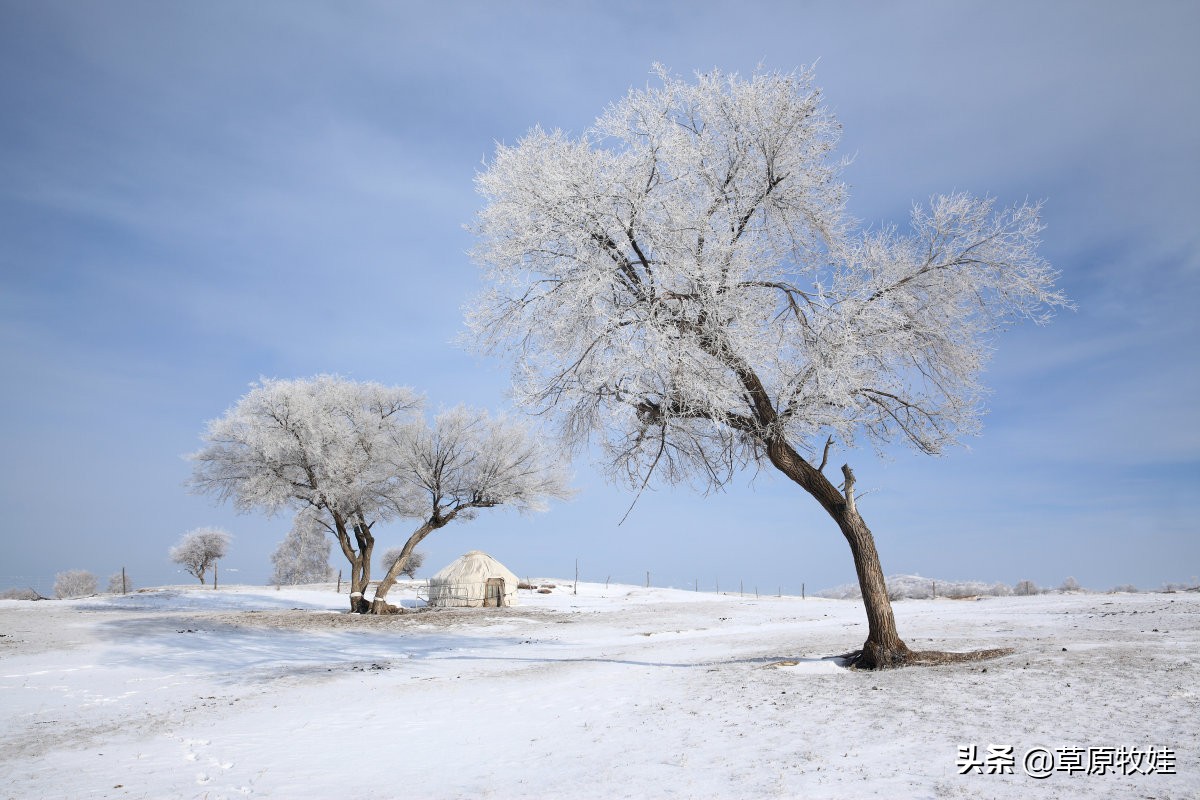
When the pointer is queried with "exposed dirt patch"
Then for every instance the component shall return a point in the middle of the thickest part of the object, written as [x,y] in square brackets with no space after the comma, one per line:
[405,620]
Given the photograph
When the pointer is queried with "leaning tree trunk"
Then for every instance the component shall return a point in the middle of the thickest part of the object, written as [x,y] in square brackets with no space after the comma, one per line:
[883,648]
[380,604]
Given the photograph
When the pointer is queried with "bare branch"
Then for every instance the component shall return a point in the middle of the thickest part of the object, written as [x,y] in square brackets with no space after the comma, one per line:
[825,454]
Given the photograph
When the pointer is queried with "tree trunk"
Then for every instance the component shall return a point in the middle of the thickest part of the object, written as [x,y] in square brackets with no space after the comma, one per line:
[883,648]
[360,576]
[357,589]
[380,605]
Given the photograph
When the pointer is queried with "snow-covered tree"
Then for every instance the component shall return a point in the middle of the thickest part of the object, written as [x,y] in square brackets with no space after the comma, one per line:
[119,583]
[415,561]
[469,460]
[682,284]
[318,446]
[357,454]
[199,548]
[303,555]
[74,583]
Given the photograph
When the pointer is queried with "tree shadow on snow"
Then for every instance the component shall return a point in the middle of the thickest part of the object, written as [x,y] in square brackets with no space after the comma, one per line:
[183,645]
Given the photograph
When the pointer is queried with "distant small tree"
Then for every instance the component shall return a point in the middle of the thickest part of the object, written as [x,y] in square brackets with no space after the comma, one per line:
[409,570]
[119,583]
[1026,588]
[74,583]
[303,555]
[199,548]
[1069,585]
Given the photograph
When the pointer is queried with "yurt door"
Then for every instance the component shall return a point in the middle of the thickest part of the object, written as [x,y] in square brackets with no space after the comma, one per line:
[493,595]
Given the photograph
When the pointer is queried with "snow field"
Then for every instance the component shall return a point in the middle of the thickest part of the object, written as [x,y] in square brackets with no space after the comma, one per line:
[624,692]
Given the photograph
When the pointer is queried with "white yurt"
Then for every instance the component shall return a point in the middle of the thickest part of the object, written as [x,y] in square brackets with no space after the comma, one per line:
[474,579]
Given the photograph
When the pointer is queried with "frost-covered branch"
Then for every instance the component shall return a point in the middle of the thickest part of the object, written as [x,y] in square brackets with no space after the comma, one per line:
[687,265]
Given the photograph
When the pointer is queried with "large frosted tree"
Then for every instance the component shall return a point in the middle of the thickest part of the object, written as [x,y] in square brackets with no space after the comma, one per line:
[351,455]
[682,284]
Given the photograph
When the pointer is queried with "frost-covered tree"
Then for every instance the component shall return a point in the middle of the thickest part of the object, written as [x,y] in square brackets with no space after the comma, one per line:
[119,583]
[415,561]
[303,555]
[467,461]
[1026,588]
[74,583]
[356,454]
[682,284]
[318,446]
[198,549]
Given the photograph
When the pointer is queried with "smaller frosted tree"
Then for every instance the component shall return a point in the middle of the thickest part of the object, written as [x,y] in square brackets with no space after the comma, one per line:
[119,583]
[303,556]
[358,454]
[74,583]
[409,570]
[198,549]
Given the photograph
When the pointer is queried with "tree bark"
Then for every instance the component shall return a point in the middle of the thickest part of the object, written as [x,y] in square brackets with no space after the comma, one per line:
[354,557]
[380,605]
[883,648]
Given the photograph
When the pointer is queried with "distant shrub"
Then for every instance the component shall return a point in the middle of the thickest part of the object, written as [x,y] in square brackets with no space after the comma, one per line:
[915,587]
[415,561]
[1069,585]
[74,583]
[20,594]
[1125,587]
[119,582]
[1026,588]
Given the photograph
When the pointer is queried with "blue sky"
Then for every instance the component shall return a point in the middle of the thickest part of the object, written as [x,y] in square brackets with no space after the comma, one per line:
[193,195]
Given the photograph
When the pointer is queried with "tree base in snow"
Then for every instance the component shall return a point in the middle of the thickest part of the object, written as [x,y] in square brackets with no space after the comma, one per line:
[383,607]
[876,658]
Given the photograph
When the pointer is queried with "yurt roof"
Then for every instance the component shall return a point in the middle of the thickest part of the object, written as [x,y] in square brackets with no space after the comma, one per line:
[474,566]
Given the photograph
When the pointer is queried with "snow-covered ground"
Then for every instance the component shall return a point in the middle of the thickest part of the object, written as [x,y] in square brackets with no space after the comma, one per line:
[617,692]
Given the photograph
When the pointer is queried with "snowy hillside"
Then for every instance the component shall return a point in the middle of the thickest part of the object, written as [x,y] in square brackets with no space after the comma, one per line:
[617,692]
